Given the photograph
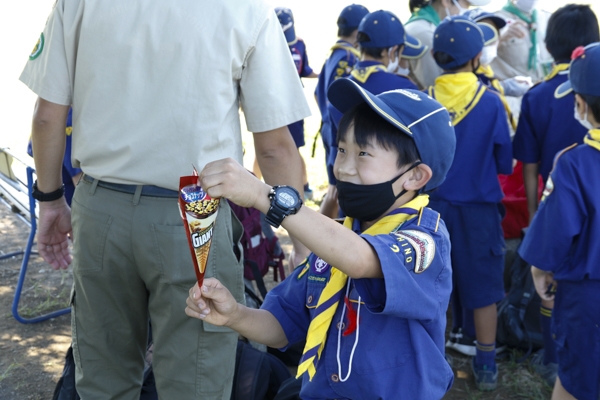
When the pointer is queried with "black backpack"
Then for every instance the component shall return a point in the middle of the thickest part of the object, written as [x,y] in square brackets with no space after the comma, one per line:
[519,312]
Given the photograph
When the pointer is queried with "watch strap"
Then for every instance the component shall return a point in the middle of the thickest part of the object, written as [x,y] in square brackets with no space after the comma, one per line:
[41,196]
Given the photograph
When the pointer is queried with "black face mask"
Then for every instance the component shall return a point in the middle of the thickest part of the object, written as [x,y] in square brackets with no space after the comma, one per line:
[368,202]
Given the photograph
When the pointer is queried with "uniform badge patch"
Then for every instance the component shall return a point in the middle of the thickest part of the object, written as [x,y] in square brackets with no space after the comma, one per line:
[320,266]
[424,246]
[39,46]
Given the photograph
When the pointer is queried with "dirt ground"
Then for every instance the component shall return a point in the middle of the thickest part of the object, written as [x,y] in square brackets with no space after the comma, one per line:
[32,355]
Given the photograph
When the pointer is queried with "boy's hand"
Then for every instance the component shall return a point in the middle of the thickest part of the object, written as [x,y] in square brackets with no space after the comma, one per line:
[227,178]
[543,281]
[213,303]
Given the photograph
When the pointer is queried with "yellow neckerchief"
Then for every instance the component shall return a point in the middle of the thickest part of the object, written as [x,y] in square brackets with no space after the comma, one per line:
[345,46]
[592,138]
[459,93]
[362,74]
[556,68]
[488,72]
[333,292]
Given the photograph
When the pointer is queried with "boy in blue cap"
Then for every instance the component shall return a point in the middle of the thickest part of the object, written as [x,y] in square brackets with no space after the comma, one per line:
[371,299]
[546,126]
[300,57]
[383,43]
[339,64]
[469,199]
[561,244]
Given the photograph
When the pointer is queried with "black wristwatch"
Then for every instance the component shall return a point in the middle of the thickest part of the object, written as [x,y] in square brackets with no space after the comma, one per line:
[285,200]
[41,196]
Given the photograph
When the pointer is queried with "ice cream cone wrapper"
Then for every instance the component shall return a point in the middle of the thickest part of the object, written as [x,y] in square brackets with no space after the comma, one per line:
[199,213]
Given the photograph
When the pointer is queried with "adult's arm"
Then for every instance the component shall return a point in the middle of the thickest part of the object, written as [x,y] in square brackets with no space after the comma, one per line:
[48,138]
[280,164]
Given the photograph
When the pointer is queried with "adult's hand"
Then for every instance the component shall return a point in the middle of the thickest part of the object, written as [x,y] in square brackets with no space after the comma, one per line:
[53,233]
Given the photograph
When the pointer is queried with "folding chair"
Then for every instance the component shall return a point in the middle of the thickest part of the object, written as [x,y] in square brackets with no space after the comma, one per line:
[17,193]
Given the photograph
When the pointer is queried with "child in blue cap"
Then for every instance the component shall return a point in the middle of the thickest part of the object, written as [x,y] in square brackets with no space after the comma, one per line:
[371,298]
[562,241]
[469,199]
[546,126]
[339,63]
[383,43]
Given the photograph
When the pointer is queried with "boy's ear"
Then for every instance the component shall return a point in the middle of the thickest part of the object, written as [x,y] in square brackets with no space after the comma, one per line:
[419,177]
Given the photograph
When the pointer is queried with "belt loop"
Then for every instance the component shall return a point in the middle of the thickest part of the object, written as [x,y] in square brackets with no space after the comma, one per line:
[136,195]
[93,187]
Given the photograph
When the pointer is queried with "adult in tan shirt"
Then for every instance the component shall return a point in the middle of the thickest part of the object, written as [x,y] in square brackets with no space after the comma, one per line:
[155,87]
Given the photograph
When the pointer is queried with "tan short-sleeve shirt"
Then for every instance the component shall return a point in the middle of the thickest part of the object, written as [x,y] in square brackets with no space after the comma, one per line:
[424,70]
[157,86]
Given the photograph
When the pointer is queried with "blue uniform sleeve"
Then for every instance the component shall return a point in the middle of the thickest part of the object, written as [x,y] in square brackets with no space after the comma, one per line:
[287,303]
[559,220]
[502,143]
[403,292]
[525,144]
[334,116]
[306,69]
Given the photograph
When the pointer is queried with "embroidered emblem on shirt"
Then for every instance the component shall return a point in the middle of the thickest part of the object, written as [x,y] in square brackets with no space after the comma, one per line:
[37,50]
[424,246]
[320,266]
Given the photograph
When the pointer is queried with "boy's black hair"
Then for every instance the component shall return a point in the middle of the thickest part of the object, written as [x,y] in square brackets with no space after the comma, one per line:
[569,27]
[344,32]
[593,103]
[415,4]
[374,52]
[445,58]
[369,127]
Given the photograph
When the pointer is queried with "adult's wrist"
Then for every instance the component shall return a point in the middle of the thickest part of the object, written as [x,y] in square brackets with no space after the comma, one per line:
[48,196]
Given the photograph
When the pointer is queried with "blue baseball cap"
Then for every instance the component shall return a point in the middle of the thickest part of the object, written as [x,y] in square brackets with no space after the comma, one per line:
[286,19]
[414,113]
[490,31]
[351,16]
[384,30]
[460,37]
[583,72]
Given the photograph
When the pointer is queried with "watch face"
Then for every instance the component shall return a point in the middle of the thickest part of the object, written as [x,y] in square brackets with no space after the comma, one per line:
[286,197]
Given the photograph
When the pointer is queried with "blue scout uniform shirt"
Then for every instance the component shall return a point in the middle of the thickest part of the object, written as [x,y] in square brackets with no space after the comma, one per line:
[373,76]
[546,125]
[338,65]
[300,58]
[400,351]
[68,170]
[483,150]
[563,236]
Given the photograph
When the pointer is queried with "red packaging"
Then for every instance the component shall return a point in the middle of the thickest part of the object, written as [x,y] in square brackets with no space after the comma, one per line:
[199,213]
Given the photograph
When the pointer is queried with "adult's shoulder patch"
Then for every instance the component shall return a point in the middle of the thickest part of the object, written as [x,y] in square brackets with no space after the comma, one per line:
[39,46]
[424,246]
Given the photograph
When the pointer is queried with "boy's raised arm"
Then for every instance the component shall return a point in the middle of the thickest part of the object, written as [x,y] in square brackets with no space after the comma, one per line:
[335,244]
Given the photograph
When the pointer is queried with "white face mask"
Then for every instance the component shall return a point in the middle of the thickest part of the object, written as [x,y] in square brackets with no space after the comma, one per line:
[403,71]
[583,121]
[526,6]
[392,65]
[489,53]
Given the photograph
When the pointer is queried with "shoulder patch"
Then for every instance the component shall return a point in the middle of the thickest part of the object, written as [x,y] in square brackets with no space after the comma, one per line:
[39,46]
[424,246]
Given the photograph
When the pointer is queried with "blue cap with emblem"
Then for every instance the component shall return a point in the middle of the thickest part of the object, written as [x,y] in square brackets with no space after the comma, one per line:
[351,16]
[583,72]
[414,113]
[383,29]
[459,37]
[286,19]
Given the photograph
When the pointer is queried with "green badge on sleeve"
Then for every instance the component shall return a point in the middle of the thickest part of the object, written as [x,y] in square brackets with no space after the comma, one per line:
[39,46]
